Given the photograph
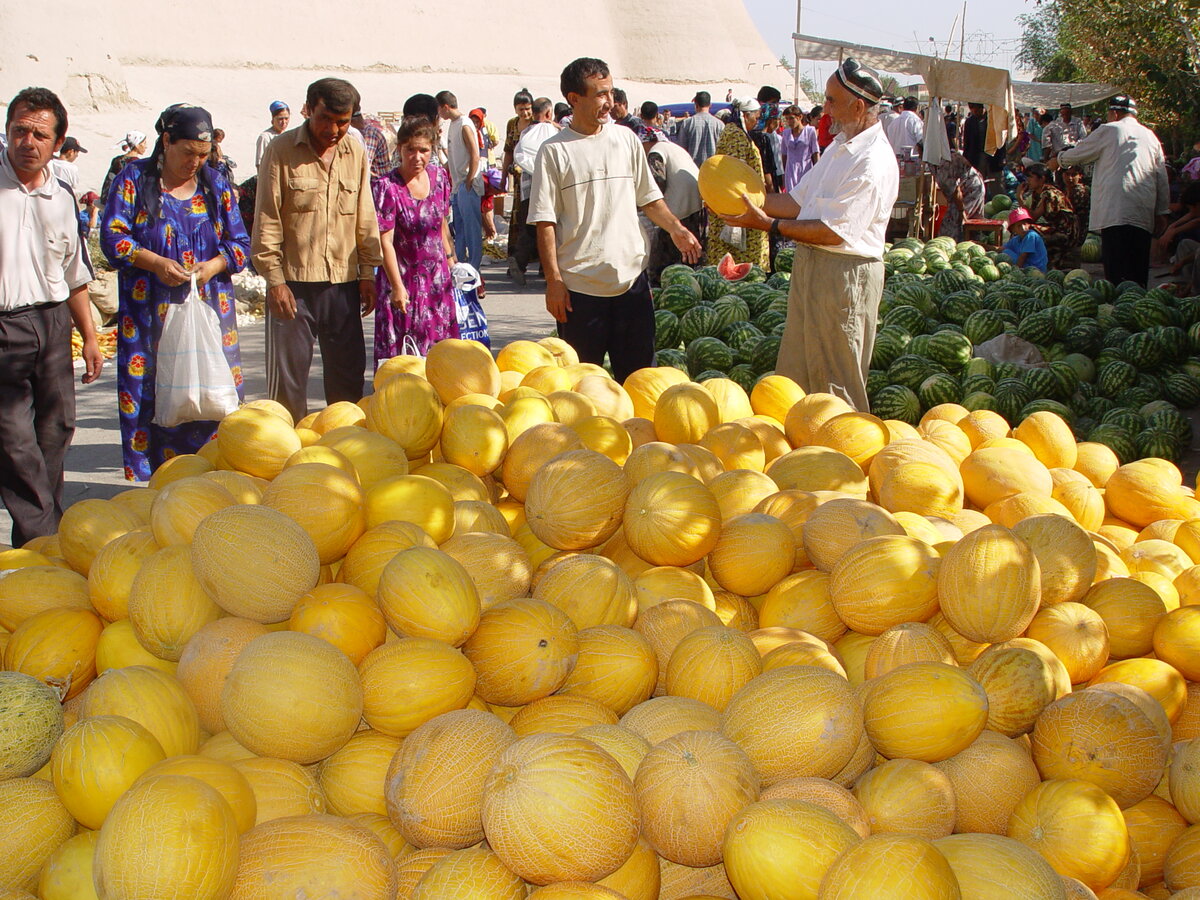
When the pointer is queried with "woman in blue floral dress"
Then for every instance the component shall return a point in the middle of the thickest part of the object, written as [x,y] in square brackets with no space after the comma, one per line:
[416,297]
[169,217]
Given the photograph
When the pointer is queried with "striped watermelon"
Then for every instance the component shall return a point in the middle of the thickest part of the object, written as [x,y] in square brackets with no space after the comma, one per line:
[1142,350]
[742,375]
[708,352]
[1182,389]
[769,320]
[730,309]
[909,371]
[674,358]
[939,388]
[897,402]
[766,354]
[699,321]
[979,400]
[890,344]
[983,325]
[678,298]
[1116,439]
[950,349]
[737,334]
[1158,442]
[1061,410]
[1115,378]
[666,330]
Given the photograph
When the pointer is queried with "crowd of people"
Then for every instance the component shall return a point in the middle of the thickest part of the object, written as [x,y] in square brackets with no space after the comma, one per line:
[345,217]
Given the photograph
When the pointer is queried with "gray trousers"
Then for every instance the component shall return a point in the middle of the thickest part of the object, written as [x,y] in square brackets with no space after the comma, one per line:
[327,314]
[833,305]
[37,416]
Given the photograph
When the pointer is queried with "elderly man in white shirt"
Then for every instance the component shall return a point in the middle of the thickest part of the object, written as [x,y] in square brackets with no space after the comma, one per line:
[906,130]
[1130,194]
[524,243]
[838,217]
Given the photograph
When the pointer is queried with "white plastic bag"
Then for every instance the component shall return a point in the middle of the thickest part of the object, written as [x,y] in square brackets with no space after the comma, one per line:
[193,382]
[410,347]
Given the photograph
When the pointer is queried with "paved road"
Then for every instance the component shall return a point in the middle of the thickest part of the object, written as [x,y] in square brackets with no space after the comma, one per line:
[94,467]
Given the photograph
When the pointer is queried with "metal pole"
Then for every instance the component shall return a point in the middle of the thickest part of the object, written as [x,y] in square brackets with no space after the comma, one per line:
[962,41]
[796,71]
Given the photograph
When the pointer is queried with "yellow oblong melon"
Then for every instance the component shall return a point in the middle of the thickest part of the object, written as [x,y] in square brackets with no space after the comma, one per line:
[724,179]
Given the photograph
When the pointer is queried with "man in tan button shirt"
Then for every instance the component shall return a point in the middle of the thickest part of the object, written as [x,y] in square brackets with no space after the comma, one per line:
[316,242]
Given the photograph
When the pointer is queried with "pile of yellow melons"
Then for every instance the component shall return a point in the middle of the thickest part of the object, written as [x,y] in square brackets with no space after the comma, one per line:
[508,628]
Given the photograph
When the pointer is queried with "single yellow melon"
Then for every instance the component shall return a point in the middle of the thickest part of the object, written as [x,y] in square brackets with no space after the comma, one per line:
[1104,738]
[883,864]
[989,778]
[987,867]
[783,849]
[927,711]
[407,682]
[576,500]
[688,788]
[254,562]
[1077,827]
[989,585]
[292,696]
[314,855]
[168,837]
[797,721]
[97,760]
[256,441]
[522,650]
[711,665]
[167,603]
[589,828]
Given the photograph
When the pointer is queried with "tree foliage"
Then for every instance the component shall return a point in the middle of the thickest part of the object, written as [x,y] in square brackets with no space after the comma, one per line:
[1148,48]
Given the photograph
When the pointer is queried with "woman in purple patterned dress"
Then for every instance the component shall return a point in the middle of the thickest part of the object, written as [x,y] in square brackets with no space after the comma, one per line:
[416,296]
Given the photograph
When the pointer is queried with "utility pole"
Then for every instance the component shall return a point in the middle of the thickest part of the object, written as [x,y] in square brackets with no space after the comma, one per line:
[962,41]
[796,71]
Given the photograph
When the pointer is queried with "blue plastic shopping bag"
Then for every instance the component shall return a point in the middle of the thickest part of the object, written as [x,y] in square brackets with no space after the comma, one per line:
[472,320]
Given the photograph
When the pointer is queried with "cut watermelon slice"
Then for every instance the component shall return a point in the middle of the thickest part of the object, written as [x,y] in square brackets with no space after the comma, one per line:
[733,271]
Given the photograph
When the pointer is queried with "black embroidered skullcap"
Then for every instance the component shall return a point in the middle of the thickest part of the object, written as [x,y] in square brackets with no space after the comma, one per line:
[184,122]
[860,80]
[1123,103]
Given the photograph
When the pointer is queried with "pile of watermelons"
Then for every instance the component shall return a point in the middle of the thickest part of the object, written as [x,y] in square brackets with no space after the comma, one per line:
[1122,362]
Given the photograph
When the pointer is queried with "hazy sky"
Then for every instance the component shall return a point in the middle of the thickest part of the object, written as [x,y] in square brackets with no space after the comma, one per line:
[992,29]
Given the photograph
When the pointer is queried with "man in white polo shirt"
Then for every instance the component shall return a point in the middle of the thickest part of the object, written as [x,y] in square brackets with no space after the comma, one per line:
[837,216]
[42,264]
[592,178]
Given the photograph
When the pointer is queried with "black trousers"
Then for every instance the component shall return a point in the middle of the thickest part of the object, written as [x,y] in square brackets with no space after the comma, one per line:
[621,326]
[37,416]
[1125,252]
[328,314]
[523,237]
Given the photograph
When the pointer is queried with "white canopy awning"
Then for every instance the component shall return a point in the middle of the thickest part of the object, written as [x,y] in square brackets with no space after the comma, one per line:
[951,80]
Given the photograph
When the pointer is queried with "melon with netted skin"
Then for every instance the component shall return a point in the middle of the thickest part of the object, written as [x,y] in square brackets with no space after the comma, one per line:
[254,562]
[31,722]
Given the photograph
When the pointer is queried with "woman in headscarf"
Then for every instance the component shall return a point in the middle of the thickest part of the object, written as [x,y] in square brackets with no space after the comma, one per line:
[132,146]
[744,244]
[169,217]
[963,186]
[416,295]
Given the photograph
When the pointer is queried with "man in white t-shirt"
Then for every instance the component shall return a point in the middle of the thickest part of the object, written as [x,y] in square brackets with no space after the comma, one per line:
[462,151]
[592,178]
[838,216]
[524,158]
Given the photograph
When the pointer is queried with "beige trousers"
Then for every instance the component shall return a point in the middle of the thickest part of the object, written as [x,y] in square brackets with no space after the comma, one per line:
[833,306]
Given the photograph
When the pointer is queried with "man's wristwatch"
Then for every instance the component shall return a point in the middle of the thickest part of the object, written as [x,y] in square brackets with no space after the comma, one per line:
[774,228]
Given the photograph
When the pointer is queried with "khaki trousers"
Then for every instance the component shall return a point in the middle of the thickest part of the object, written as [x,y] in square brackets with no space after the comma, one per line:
[833,306]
